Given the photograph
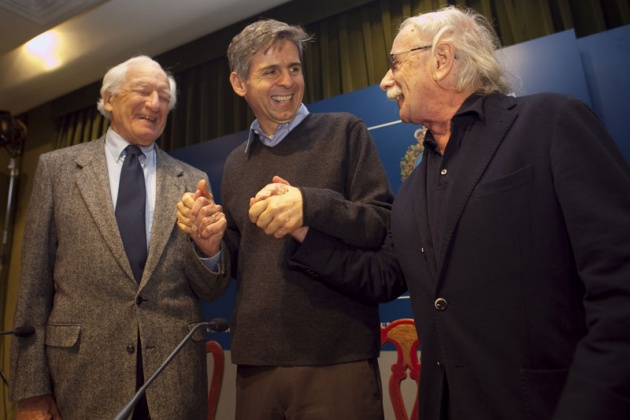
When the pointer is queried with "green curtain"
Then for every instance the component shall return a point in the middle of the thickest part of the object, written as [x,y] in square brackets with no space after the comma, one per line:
[349,53]
[207,107]
[80,126]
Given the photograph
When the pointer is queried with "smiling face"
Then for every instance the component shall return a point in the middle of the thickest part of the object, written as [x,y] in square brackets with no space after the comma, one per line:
[140,108]
[410,83]
[275,86]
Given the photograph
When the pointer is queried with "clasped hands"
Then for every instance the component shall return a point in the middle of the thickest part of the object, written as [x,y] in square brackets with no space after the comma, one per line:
[201,218]
[276,209]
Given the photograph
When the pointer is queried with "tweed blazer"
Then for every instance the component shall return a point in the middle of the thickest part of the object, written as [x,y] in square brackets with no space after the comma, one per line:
[78,291]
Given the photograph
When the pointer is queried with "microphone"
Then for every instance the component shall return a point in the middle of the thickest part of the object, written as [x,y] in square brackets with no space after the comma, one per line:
[215,325]
[23,331]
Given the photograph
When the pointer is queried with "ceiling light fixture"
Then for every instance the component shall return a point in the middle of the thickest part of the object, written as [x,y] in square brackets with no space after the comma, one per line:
[44,48]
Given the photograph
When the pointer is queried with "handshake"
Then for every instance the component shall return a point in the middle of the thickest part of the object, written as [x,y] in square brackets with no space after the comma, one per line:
[276,209]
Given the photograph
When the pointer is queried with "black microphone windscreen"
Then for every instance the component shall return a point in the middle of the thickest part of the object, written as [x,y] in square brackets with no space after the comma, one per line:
[218,325]
[24,331]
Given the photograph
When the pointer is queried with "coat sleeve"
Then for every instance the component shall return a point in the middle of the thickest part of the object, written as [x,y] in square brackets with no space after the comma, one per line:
[372,277]
[592,183]
[207,284]
[29,367]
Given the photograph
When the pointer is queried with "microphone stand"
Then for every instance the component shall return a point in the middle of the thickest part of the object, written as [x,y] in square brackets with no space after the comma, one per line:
[4,257]
[14,142]
[128,409]
[4,378]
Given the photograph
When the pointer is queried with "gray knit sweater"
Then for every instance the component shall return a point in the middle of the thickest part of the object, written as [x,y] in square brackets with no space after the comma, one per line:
[282,317]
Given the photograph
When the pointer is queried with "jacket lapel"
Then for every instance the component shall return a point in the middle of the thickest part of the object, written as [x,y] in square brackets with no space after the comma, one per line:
[422,213]
[499,117]
[169,190]
[93,184]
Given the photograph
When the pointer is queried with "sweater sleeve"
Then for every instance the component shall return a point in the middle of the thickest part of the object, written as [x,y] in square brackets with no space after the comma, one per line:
[359,216]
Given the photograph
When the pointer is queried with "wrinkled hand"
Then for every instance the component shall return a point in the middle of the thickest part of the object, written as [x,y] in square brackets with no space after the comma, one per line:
[277,209]
[42,407]
[203,219]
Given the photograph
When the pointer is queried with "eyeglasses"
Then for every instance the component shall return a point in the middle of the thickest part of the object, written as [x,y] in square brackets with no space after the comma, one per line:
[393,63]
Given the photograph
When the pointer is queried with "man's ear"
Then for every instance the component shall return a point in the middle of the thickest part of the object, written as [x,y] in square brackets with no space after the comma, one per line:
[444,61]
[107,102]
[238,84]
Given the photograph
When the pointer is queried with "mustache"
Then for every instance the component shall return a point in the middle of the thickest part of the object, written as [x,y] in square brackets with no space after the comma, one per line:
[394,93]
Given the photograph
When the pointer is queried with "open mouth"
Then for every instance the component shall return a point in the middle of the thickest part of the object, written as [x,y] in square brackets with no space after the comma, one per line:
[145,117]
[282,99]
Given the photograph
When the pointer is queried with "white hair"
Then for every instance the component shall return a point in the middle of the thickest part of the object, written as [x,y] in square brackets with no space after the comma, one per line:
[115,77]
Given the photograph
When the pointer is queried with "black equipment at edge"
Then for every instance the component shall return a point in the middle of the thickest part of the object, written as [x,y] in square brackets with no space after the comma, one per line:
[23,331]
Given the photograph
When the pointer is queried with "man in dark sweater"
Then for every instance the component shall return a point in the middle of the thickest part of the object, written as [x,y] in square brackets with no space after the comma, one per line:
[303,349]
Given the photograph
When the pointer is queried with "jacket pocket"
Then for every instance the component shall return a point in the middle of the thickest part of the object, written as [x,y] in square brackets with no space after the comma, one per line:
[507,183]
[541,391]
[62,335]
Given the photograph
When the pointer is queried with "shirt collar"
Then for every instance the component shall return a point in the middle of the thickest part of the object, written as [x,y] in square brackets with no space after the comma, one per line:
[471,107]
[283,129]
[116,145]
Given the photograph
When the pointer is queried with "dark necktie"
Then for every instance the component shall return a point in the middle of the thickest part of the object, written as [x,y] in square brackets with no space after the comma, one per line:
[130,208]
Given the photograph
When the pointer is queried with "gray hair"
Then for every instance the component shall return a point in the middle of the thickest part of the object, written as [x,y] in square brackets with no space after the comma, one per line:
[260,36]
[475,43]
[115,77]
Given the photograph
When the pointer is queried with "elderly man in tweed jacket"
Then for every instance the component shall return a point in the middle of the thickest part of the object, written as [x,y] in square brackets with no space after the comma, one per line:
[98,331]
